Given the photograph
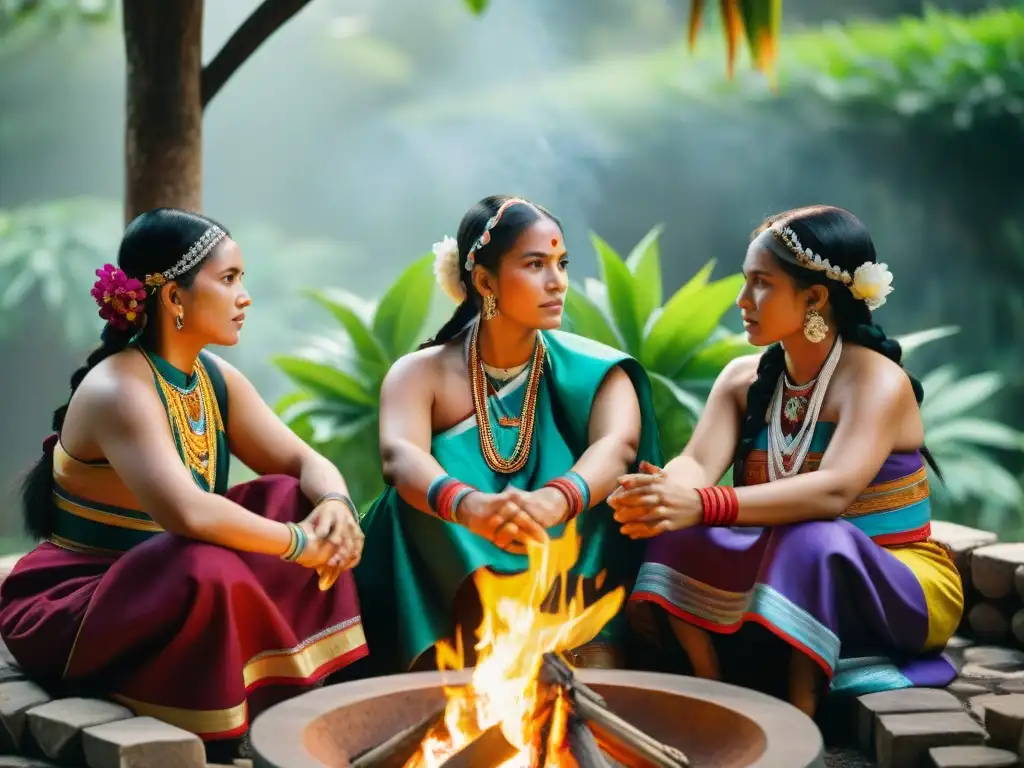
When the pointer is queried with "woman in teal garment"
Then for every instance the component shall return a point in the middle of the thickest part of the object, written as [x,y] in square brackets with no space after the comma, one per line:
[562,418]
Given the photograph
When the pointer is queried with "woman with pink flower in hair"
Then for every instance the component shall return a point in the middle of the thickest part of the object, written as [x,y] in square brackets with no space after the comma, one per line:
[155,583]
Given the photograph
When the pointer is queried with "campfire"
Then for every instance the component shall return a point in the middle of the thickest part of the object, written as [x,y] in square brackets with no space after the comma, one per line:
[523,707]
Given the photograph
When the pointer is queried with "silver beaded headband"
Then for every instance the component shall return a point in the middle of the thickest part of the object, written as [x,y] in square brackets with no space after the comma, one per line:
[199,251]
[492,222]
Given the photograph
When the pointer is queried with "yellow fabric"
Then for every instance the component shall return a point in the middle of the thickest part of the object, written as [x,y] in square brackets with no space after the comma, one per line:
[95,482]
[940,581]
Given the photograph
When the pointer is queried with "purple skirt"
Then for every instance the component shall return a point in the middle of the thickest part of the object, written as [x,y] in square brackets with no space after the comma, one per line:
[824,587]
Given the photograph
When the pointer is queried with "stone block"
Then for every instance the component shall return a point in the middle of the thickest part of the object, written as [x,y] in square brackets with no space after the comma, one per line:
[903,701]
[902,741]
[972,757]
[961,541]
[966,689]
[993,569]
[1004,720]
[995,657]
[15,761]
[16,698]
[1011,686]
[989,622]
[976,673]
[57,726]
[142,742]
[956,647]
[978,704]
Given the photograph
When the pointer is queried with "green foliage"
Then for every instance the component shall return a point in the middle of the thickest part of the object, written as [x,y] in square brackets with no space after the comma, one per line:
[945,68]
[682,343]
[48,256]
[340,375]
[966,445]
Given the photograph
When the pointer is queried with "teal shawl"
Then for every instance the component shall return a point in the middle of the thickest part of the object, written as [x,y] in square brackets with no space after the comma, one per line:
[413,563]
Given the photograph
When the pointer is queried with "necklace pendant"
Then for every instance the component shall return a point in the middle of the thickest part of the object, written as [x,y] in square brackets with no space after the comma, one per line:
[795,408]
[508,421]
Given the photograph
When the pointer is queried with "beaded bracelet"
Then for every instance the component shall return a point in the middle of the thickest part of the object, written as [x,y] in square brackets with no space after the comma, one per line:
[444,496]
[574,490]
[721,507]
[335,496]
[296,544]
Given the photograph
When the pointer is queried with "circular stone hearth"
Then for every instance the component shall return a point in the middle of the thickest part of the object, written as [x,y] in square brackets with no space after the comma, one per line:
[715,724]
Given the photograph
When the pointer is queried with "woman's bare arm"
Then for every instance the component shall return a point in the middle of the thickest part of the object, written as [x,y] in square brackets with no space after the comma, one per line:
[709,453]
[406,403]
[131,429]
[614,434]
[267,446]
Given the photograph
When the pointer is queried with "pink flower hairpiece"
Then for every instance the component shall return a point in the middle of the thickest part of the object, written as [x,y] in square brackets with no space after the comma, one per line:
[120,298]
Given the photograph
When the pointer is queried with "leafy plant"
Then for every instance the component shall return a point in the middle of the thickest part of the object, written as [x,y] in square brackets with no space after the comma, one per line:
[963,442]
[681,343]
[48,254]
[340,374]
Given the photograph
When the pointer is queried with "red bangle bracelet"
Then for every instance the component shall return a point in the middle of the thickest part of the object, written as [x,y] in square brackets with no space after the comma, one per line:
[721,507]
[571,494]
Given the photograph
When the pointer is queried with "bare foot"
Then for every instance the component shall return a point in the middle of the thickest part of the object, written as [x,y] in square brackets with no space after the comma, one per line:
[805,679]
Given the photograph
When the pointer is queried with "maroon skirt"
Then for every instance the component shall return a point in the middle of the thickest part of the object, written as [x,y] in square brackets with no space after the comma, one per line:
[194,634]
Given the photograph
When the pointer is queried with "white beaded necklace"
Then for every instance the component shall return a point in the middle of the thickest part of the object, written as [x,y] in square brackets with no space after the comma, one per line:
[779,446]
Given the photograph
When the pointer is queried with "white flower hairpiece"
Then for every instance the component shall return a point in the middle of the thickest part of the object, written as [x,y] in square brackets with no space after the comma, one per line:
[447,270]
[871,282]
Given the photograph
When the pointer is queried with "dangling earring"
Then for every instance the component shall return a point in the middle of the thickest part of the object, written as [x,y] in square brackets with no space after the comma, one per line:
[490,309]
[815,329]
[178,322]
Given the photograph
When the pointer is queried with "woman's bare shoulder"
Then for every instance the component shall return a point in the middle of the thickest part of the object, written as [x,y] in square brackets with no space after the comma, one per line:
[425,366]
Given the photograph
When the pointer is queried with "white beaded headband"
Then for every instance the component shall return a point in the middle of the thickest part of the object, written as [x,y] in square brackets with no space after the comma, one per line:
[871,282]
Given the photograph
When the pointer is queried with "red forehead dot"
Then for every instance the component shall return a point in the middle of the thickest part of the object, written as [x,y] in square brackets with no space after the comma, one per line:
[554,241]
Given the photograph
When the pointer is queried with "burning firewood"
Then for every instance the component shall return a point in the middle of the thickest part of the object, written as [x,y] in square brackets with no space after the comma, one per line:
[396,751]
[619,739]
[490,748]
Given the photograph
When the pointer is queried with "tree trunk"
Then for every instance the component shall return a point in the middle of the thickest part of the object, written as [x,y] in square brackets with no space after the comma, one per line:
[164,127]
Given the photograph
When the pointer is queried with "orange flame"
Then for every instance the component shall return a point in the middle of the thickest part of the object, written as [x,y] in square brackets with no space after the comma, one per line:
[511,641]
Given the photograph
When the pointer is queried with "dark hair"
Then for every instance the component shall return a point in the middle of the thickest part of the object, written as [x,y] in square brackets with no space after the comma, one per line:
[514,221]
[840,237]
[153,242]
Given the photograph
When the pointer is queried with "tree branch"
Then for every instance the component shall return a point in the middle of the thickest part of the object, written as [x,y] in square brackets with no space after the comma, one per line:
[261,24]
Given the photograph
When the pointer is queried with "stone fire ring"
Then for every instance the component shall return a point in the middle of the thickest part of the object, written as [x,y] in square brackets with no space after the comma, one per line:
[715,724]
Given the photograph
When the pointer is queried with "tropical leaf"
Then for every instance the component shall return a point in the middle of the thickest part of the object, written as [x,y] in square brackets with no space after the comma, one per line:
[343,305]
[586,319]
[911,342]
[325,381]
[693,404]
[709,361]
[961,396]
[980,432]
[684,326]
[621,287]
[402,311]
[644,263]
[477,6]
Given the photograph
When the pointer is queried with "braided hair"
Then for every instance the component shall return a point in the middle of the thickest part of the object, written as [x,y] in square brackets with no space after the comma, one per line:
[503,235]
[840,237]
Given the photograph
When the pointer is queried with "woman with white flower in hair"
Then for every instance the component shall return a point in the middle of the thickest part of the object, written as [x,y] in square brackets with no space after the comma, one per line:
[498,431]
[824,540]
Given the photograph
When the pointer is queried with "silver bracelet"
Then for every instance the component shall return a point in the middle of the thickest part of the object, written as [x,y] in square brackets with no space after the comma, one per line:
[335,496]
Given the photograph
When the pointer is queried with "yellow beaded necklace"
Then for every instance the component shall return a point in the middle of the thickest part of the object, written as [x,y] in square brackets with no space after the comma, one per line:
[478,386]
[195,420]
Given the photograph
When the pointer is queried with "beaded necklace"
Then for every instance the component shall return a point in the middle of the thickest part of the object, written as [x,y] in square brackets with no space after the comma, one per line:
[479,387]
[194,418]
[786,453]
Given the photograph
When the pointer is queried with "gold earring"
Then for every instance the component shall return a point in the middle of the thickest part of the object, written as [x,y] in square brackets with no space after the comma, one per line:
[178,322]
[490,308]
[815,328]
